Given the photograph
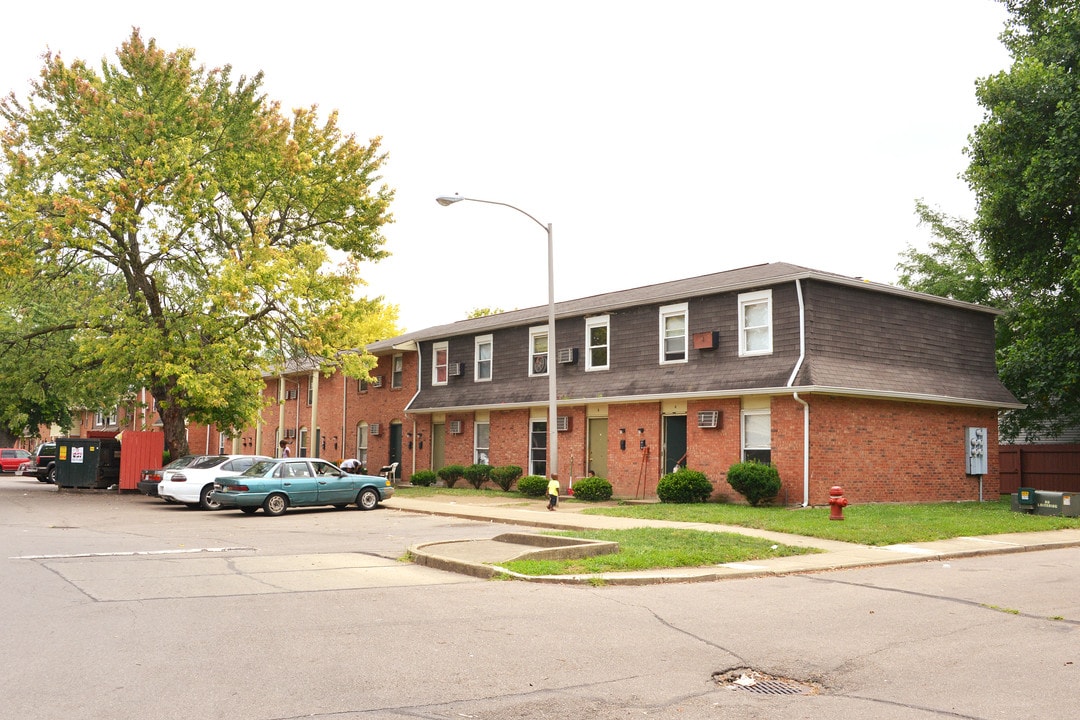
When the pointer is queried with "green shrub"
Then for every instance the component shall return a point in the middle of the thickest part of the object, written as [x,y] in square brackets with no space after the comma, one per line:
[533,486]
[755,481]
[593,489]
[478,474]
[423,478]
[505,475]
[684,486]
[451,474]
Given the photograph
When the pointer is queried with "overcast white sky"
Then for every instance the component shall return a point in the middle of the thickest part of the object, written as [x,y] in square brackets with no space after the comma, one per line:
[662,139]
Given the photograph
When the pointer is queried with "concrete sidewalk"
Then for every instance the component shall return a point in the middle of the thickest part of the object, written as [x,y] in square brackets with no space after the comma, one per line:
[480,558]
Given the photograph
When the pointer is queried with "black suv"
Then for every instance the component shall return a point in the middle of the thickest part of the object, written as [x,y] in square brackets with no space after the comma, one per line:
[43,463]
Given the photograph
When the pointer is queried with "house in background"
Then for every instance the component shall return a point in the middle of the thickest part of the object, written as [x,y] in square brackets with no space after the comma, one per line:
[834,380]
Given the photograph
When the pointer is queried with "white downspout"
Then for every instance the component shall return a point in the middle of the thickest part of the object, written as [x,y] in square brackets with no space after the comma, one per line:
[795,394]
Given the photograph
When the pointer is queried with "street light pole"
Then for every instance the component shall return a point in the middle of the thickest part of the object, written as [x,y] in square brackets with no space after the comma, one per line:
[553,411]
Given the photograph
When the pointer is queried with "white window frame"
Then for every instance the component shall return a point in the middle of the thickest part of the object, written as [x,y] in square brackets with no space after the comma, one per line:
[534,334]
[397,370]
[362,443]
[673,311]
[602,321]
[436,367]
[747,300]
[477,447]
[481,342]
[743,417]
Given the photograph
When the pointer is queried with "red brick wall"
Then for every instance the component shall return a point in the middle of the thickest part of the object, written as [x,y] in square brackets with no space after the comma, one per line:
[883,451]
[633,472]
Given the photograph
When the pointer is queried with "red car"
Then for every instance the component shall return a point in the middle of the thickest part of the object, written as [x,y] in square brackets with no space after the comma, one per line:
[12,458]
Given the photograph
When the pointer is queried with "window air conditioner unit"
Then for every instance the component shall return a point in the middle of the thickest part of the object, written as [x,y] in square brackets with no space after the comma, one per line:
[291,394]
[567,356]
[455,427]
[374,428]
[708,419]
[290,433]
[376,381]
[456,369]
[562,423]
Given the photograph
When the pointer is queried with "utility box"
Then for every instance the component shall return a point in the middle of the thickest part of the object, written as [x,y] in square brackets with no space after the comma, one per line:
[1057,503]
[87,462]
[1024,500]
[976,458]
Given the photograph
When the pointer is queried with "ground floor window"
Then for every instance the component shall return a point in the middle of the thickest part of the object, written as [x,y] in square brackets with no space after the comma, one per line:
[757,435]
[481,438]
[538,447]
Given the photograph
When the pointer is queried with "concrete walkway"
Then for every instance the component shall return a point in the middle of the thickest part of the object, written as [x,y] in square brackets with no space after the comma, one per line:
[481,558]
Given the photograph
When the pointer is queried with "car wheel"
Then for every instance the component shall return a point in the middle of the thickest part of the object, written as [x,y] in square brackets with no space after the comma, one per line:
[51,477]
[206,500]
[367,499]
[247,510]
[275,504]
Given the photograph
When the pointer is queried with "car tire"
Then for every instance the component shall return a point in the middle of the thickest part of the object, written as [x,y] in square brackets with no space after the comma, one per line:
[368,499]
[248,510]
[50,477]
[275,505]
[205,501]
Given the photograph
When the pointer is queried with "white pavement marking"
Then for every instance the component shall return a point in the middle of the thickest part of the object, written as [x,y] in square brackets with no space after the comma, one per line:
[129,554]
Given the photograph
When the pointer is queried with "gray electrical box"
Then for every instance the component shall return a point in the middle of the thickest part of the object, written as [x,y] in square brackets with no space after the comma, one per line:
[975,446]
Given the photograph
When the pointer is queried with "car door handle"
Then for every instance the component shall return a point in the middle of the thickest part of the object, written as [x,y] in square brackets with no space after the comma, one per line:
[286,484]
[322,482]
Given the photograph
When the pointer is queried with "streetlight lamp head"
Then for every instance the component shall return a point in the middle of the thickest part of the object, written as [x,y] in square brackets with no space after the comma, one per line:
[446,200]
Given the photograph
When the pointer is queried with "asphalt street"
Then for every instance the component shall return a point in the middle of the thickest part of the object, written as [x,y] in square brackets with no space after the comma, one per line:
[120,606]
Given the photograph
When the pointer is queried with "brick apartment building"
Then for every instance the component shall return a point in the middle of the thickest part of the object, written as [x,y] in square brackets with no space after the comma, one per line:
[834,380]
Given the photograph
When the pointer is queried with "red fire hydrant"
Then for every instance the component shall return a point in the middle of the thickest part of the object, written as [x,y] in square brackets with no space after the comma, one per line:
[837,503]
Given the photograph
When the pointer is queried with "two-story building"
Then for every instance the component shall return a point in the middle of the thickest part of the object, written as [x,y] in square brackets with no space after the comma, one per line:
[834,380]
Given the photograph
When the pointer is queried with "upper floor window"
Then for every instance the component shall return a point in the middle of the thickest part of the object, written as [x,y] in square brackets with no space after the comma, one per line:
[310,393]
[105,419]
[538,351]
[755,323]
[483,357]
[397,371]
[361,385]
[596,343]
[440,353]
[673,339]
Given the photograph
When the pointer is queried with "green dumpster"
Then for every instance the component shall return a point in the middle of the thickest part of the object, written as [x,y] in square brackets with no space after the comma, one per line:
[87,462]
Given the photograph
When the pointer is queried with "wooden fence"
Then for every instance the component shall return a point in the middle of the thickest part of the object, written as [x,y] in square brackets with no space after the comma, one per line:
[1043,467]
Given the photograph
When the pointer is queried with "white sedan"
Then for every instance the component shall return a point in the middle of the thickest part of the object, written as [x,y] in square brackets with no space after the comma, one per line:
[193,484]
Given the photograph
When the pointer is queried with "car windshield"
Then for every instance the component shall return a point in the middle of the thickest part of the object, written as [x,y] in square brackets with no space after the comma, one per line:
[259,468]
[208,462]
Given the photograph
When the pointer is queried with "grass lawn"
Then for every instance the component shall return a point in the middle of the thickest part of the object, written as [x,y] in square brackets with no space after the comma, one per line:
[648,548]
[875,524]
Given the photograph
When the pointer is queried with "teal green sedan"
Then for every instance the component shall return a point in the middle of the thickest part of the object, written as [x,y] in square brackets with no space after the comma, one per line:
[276,485]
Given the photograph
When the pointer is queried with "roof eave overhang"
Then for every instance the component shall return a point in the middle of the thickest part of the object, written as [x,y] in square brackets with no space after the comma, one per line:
[707,394]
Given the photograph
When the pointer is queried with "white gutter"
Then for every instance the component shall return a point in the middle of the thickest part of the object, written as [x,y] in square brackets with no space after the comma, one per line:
[795,394]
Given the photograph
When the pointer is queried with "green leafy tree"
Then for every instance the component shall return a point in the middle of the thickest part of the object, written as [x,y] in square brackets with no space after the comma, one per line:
[220,235]
[1025,170]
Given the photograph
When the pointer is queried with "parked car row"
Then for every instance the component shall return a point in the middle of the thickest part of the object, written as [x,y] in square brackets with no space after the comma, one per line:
[243,482]
[252,482]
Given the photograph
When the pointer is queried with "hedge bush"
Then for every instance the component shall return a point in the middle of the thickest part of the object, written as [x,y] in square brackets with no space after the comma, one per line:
[684,486]
[423,478]
[757,482]
[533,486]
[478,474]
[593,489]
[505,475]
[451,474]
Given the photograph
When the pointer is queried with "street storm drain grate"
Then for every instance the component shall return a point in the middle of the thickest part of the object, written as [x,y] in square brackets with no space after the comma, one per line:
[761,683]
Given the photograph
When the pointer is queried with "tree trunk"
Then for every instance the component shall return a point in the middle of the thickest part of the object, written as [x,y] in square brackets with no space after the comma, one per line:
[174,426]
